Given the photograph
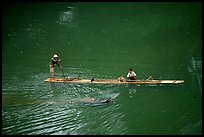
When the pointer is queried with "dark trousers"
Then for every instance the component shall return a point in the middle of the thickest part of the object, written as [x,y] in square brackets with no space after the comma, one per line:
[132,78]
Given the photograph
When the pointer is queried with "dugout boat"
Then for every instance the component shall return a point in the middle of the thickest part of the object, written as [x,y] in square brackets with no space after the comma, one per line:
[112,81]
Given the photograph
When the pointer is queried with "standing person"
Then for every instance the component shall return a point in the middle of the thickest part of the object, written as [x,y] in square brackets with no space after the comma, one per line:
[131,75]
[54,60]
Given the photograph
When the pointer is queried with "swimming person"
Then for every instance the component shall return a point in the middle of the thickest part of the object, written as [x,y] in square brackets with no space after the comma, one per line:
[93,102]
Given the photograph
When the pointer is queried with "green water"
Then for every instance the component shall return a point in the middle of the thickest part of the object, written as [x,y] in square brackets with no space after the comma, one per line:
[102,40]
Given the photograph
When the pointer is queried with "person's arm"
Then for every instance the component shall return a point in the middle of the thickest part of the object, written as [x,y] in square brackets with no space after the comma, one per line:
[134,74]
[59,64]
[128,75]
[51,63]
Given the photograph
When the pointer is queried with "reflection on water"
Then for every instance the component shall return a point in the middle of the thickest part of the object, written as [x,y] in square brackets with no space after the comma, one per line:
[60,111]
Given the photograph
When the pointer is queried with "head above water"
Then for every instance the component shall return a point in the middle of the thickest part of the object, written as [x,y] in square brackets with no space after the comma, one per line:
[109,100]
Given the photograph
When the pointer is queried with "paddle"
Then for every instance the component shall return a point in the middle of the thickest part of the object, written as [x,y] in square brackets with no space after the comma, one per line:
[63,73]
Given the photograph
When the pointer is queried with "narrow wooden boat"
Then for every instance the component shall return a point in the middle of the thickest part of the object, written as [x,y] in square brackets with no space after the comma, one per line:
[109,81]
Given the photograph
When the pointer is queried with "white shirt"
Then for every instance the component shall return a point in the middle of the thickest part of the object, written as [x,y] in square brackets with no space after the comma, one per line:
[131,74]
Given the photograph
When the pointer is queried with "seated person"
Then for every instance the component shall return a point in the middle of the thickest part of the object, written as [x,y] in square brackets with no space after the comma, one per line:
[131,75]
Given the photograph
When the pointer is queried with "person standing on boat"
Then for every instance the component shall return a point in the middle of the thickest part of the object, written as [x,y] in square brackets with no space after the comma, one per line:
[54,60]
[131,75]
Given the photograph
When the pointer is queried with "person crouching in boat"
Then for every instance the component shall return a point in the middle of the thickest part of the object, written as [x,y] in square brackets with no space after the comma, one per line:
[131,75]
[54,60]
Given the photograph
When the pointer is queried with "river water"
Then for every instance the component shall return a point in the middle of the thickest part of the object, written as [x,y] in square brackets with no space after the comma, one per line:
[102,41]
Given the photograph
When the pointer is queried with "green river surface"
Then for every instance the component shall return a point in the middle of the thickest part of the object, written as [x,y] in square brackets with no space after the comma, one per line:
[102,41]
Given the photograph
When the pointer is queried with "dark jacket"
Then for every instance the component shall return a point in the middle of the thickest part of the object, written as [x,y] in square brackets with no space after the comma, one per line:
[55,61]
